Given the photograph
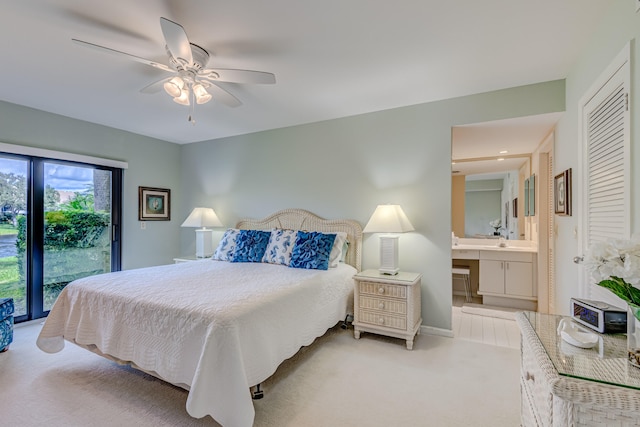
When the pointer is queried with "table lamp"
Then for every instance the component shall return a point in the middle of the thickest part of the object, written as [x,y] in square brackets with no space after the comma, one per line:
[388,219]
[203,217]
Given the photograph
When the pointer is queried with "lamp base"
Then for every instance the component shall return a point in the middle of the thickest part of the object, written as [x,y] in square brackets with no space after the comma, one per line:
[389,255]
[204,243]
[389,272]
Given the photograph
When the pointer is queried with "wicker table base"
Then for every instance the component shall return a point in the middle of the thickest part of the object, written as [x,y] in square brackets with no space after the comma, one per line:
[553,399]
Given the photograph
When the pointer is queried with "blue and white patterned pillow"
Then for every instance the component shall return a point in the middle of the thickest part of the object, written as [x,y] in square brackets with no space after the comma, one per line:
[280,246]
[227,245]
[250,245]
[312,250]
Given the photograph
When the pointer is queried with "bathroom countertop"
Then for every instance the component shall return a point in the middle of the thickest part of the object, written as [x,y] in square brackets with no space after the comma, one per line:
[493,245]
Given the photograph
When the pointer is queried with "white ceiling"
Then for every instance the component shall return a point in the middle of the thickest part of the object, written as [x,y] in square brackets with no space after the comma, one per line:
[331,58]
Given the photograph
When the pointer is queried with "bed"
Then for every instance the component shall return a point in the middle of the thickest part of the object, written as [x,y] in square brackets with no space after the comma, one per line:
[215,328]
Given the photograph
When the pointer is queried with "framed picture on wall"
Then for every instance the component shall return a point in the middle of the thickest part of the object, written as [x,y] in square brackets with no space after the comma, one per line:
[506,215]
[154,204]
[515,208]
[562,193]
[526,197]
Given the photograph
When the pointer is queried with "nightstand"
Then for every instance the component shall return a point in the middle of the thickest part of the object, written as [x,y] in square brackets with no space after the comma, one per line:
[387,305]
[189,259]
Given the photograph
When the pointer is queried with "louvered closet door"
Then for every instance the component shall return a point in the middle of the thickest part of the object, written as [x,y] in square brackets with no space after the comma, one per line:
[606,162]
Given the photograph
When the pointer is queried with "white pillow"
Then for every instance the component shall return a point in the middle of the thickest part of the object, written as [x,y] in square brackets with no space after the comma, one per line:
[280,246]
[227,245]
[337,250]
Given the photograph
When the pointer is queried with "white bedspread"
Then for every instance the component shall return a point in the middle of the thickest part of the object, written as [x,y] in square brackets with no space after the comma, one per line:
[212,327]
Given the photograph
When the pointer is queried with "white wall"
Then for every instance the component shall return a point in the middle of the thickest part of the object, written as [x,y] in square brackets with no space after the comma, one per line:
[152,163]
[616,29]
[344,168]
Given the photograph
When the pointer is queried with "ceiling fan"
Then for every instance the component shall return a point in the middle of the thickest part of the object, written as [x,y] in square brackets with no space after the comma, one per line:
[190,83]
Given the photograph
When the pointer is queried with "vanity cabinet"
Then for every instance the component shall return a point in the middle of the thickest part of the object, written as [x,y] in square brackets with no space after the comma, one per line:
[507,274]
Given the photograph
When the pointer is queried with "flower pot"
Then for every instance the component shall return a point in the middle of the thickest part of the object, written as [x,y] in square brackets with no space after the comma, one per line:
[633,334]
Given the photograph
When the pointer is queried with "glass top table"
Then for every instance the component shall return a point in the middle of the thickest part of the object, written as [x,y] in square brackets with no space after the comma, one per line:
[605,363]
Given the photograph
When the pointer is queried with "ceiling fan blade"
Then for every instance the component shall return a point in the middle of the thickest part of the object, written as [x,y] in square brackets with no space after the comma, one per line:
[237,76]
[154,87]
[177,41]
[221,95]
[128,55]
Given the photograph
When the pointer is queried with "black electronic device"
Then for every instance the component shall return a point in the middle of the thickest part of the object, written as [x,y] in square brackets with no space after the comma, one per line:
[599,316]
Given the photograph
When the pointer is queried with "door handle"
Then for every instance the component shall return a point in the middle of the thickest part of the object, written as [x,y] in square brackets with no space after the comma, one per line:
[578,259]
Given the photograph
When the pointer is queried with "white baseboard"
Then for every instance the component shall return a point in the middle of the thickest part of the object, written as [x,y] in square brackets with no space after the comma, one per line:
[430,330]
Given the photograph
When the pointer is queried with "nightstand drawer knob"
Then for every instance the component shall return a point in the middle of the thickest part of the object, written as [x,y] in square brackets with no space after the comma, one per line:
[381,290]
[381,306]
[381,321]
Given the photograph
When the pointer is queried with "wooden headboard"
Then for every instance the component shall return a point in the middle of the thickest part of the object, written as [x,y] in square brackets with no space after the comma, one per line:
[300,219]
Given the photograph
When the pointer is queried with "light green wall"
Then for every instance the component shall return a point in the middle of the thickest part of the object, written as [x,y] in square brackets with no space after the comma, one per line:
[152,163]
[617,28]
[343,168]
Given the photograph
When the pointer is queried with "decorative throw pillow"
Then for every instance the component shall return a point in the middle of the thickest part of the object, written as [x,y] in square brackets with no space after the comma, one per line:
[336,254]
[280,246]
[250,245]
[227,245]
[311,250]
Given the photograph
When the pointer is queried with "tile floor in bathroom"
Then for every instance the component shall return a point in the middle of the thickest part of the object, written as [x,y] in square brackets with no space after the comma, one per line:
[485,329]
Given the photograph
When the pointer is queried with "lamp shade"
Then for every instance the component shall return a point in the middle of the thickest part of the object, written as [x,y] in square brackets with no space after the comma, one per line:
[202,217]
[388,219]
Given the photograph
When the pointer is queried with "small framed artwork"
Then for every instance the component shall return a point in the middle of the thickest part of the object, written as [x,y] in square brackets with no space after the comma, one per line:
[526,197]
[154,204]
[506,214]
[515,208]
[562,193]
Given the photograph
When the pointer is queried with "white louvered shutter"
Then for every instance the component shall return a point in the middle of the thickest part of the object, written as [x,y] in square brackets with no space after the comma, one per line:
[607,185]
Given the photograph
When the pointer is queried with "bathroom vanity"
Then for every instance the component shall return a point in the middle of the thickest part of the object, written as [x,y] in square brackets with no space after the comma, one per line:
[506,275]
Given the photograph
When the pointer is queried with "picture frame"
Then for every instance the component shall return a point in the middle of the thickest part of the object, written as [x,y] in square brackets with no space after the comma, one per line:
[526,197]
[531,195]
[506,215]
[562,193]
[515,208]
[154,204]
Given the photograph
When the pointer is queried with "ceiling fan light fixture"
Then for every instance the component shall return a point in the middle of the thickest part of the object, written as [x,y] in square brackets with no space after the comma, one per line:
[183,99]
[202,96]
[174,87]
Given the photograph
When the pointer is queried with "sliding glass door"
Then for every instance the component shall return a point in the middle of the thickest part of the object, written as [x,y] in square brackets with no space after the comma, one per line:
[77,226]
[67,229]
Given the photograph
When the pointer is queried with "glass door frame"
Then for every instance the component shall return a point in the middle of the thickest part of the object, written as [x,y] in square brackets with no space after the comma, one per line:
[36,220]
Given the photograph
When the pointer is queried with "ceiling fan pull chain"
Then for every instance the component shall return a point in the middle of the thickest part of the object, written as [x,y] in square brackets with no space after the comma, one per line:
[192,105]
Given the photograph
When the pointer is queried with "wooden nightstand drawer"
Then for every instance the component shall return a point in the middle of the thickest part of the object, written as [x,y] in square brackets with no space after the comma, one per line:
[383,289]
[381,319]
[384,305]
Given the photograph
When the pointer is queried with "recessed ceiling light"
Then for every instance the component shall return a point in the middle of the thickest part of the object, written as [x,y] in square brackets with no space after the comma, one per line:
[504,152]
[500,159]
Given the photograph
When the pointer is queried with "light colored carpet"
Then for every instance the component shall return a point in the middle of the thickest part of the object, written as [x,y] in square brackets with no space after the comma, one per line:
[337,381]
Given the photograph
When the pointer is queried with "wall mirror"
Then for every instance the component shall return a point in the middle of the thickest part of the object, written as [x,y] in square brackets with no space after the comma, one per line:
[492,149]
